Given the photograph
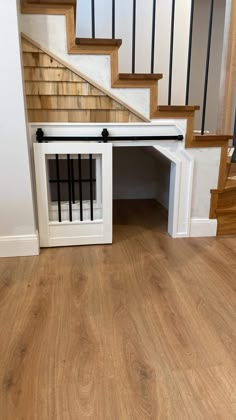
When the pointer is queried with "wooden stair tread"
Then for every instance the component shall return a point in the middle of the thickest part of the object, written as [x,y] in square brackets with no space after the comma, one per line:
[54,2]
[140,76]
[227,210]
[226,189]
[178,108]
[96,42]
[230,183]
[213,137]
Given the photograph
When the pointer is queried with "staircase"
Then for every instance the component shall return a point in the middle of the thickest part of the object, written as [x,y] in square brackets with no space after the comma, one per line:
[111,47]
[223,203]
[98,105]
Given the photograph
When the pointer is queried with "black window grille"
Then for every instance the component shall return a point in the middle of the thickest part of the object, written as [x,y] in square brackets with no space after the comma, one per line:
[72,181]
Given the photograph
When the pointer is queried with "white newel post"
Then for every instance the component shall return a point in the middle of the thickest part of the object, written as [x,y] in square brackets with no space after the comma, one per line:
[18,234]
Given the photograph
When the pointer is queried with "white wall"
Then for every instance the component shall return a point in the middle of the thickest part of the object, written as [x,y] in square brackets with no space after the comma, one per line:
[138,173]
[134,173]
[200,35]
[17,223]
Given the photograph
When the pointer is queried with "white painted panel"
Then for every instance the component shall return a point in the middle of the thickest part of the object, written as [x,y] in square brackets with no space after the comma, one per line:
[158,128]
[180,56]
[205,178]
[67,234]
[103,19]
[143,35]
[83,19]
[163,24]
[73,233]
[124,18]
[203,227]
[200,34]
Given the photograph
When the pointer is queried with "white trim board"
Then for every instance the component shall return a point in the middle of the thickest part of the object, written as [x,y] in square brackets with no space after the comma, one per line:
[19,246]
[203,227]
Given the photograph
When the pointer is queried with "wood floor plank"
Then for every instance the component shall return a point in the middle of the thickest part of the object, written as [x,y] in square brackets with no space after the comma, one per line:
[141,329]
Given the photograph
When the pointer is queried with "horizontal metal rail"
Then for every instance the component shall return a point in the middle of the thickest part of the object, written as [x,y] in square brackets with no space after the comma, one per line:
[104,137]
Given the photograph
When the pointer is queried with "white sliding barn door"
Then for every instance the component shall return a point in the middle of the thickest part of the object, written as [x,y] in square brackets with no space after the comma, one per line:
[74,193]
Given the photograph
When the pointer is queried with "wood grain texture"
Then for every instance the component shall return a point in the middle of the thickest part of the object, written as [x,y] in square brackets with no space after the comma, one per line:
[97,115]
[223,170]
[53,2]
[110,42]
[226,221]
[60,88]
[143,329]
[223,202]
[71,102]
[39,59]
[56,93]
[50,74]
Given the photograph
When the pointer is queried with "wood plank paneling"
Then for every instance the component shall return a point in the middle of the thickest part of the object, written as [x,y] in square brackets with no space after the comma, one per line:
[55,93]
[37,59]
[28,47]
[50,74]
[71,102]
[61,88]
[78,115]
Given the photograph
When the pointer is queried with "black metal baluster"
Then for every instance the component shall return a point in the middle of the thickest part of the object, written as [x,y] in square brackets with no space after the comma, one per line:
[69,186]
[91,184]
[207,67]
[189,52]
[153,35]
[171,51]
[80,188]
[113,18]
[58,189]
[93,18]
[72,180]
[134,36]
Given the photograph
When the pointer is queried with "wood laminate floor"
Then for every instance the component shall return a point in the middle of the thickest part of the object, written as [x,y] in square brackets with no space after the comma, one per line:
[142,329]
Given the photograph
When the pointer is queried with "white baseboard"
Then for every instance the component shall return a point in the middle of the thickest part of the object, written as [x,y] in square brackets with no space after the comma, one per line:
[203,227]
[19,246]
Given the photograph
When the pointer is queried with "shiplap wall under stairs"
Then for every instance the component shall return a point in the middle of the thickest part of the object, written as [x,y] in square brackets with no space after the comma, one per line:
[56,93]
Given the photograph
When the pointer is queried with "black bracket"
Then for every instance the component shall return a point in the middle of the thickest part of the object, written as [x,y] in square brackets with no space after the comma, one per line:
[40,135]
[105,135]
